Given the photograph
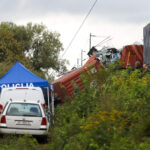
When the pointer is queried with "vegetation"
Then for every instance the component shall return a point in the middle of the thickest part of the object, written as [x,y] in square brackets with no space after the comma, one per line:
[33,45]
[112,113]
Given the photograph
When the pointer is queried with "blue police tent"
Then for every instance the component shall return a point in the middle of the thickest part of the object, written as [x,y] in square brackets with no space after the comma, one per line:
[20,76]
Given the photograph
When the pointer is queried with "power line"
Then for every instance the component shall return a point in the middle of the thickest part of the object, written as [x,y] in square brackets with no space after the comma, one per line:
[103,41]
[79,28]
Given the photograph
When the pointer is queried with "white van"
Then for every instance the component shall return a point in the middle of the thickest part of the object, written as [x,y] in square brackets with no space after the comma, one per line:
[21,94]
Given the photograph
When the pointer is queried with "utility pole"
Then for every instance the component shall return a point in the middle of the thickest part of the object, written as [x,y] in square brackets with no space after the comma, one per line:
[77,62]
[90,41]
[82,57]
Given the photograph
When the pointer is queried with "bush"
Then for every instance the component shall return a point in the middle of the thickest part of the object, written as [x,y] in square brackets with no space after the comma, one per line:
[110,113]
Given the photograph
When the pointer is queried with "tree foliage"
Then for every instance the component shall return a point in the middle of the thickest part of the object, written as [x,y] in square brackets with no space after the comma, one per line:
[33,45]
[112,114]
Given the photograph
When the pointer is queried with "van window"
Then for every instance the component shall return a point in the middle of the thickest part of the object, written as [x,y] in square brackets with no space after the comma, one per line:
[24,109]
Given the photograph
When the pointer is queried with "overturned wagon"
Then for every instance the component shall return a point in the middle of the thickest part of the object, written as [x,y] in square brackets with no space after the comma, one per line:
[65,85]
[131,54]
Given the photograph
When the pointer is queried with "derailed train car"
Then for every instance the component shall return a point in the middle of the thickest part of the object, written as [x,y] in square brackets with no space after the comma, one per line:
[65,85]
[130,54]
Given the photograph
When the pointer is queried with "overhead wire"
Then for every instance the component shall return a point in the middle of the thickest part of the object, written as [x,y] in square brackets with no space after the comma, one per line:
[79,28]
[103,41]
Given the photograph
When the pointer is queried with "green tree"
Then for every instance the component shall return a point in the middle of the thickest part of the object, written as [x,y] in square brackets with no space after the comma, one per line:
[10,51]
[45,49]
[33,45]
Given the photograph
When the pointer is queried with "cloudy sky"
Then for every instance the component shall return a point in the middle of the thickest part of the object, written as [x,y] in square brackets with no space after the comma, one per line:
[122,20]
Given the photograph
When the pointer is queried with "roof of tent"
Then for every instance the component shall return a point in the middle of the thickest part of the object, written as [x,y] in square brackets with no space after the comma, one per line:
[19,76]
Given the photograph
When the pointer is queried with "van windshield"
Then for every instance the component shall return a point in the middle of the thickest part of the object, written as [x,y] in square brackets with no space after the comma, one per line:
[24,109]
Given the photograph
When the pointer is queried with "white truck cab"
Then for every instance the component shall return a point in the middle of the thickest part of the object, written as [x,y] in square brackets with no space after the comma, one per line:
[21,94]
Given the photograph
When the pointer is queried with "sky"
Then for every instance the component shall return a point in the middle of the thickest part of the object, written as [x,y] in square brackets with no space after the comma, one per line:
[122,20]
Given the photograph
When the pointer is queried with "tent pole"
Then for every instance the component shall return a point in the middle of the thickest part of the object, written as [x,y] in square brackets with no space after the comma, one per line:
[52,97]
[48,104]
[48,98]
